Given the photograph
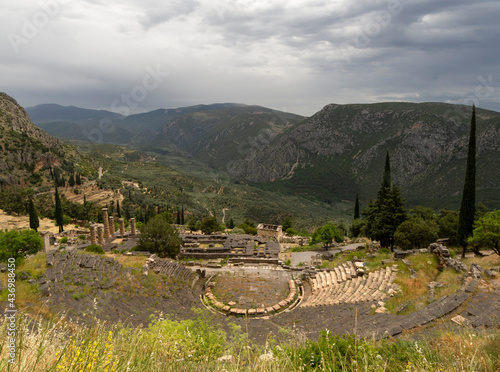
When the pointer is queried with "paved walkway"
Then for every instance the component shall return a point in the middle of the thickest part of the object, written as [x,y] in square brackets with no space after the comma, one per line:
[305,257]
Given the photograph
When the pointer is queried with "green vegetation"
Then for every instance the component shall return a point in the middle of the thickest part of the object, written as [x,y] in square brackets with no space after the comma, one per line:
[159,237]
[486,232]
[58,212]
[416,233]
[248,227]
[195,345]
[384,215]
[238,230]
[34,220]
[356,208]
[18,244]
[468,206]
[209,225]
[94,248]
[327,234]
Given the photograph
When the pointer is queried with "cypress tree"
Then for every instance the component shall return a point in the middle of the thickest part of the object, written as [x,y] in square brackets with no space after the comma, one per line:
[71,180]
[387,212]
[118,211]
[34,221]
[182,215]
[356,208]
[468,205]
[386,179]
[59,212]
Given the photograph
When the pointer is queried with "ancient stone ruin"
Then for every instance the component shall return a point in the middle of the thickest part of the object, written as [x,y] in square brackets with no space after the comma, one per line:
[234,247]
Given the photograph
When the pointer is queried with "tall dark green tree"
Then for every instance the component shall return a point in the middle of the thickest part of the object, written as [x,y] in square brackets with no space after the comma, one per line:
[59,212]
[118,210]
[182,215]
[178,219]
[468,206]
[34,220]
[387,178]
[71,180]
[384,215]
[356,208]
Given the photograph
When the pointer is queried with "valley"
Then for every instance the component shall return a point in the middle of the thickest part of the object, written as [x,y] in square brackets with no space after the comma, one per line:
[222,237]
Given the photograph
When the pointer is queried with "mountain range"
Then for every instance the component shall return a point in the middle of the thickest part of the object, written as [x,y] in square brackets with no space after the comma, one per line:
[333,155]
[27,152]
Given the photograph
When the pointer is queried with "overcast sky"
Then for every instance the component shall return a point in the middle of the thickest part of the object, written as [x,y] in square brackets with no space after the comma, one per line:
[292,55]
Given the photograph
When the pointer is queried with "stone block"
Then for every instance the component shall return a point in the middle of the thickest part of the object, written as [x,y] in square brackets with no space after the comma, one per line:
[400,254]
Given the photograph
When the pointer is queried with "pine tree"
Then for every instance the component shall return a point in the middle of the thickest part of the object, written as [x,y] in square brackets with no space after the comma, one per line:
[34,221]
[387,212]
[356,208]
[468,206]
[59,212]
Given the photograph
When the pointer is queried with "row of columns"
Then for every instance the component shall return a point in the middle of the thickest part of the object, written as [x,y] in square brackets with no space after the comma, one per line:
[101,234]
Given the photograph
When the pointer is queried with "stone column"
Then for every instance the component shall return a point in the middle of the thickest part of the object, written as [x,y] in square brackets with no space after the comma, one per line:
[106,223]
[133,231]
[100,236]
[93,237]
[46,240]
[122,227]
[112,227]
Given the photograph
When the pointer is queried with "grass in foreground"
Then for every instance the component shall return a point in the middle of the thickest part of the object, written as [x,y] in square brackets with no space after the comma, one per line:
[197,345]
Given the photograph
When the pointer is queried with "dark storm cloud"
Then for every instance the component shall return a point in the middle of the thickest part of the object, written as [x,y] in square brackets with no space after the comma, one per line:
[295,54]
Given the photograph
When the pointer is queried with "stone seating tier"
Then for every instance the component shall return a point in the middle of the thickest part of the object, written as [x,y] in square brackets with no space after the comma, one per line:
[342,285]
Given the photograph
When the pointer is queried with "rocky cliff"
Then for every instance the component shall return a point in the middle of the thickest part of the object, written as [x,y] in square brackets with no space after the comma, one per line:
[26,151]
[344,146]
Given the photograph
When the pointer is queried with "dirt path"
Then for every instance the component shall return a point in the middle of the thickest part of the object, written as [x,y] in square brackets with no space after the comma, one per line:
[23,222]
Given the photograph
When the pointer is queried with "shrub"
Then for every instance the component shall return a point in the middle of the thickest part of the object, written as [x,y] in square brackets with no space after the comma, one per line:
[327,234]
[64,240]
[416,233]
[18,244]
[209,225]
[95,248]
[248,229]
[238,230]
[158,236]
